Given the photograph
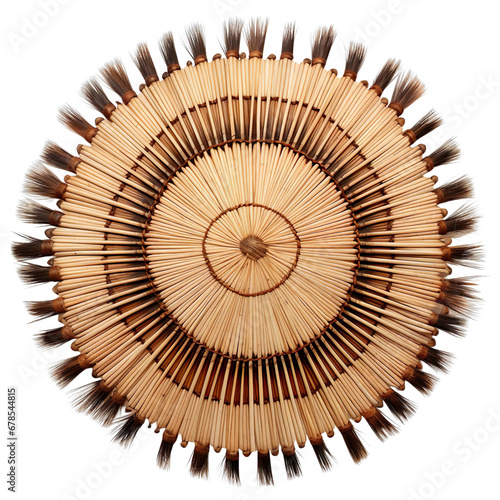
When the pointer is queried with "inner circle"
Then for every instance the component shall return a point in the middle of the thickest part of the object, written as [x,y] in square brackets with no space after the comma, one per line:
[251,249]
[240,192]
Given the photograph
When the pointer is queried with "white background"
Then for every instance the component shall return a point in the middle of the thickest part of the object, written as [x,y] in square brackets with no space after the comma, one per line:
[453,47]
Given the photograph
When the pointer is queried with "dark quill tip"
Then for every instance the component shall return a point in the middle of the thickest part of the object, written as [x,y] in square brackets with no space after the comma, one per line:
[451,324]
[51,339]
[164,454]
[356,54]
[96,401]
[32,248]
[76,123]
[322,44]
[379,424]
[464,255]
[323,454]
[407,90]
[94,94]
[354,445]
[288,42]
[256,36]
[40,181]
[459,295]
[292,465]
[231,468]
[57,157]
[439,360]
[127,428]
[422,381]
[168,51]
[457,189]
[461,222]
[33,274]
[426,125]
[34,213]
[41,309]
[145,64]
[195,35]
[386,75]
[264,469]
[66,371]
[445,154]
[114,75]
[401,407]
[199,461]
[231,31]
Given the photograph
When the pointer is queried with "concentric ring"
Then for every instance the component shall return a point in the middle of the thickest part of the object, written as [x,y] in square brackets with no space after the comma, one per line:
[225,299]
[229,262]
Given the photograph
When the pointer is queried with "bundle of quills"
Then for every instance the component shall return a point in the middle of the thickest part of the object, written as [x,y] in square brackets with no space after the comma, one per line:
[250,253]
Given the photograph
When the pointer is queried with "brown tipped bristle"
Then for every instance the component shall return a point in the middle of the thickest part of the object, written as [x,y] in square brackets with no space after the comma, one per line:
[73,120]
[323,455]
[451,324]
[292,465]
[96,402]
[232,30]
[422,381]
[379,424]
[94,94]
[199,463]
[144,62]
[127,428]
[115,76]
[446,153]
[407,90]
[426,124]
[401,407]
[256,34]
[24,250]
[322,42]
[33,213]
[466,255]
[387,74]
[460,296]
[264,469]
[41,308]
[440,360]
[457,189]
[40,181]
[355,57]
[167,49]
[231,470]
[57,157]
[33,274]
[354,445]
[462,286]
[164,454]
[50,339]
[66,371]
[461,304]
[288,42]
[463,221]
[195,45]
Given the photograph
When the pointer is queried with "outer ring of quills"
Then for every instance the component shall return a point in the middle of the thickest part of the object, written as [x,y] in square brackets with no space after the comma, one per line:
[249,252]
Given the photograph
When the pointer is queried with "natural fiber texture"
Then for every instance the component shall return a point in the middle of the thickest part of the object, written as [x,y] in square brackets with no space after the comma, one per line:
[250,253]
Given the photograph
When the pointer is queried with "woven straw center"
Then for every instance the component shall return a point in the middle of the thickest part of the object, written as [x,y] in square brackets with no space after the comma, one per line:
[252,249]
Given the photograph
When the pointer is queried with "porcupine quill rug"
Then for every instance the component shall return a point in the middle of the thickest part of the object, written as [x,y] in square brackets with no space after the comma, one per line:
[250,253]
